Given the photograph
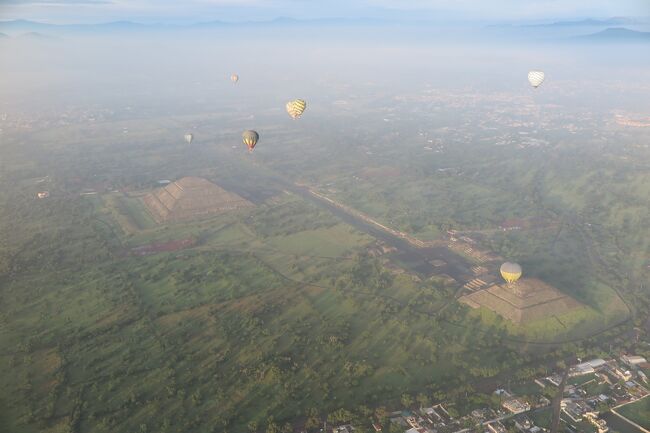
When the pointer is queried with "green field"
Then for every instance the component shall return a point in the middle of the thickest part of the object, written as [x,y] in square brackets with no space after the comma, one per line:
[334,241]
[129,212]
[128,335]
[277,312]
[638,412]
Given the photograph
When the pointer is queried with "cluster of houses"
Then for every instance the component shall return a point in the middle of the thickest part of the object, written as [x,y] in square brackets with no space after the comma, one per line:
[608,383]
[436,419]
[591,386]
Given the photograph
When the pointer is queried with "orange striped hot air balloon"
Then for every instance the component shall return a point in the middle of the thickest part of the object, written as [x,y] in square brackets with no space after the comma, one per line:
[234,78]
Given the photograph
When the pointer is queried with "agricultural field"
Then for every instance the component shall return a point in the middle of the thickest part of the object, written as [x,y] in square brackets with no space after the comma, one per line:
[638,412]
[332,241]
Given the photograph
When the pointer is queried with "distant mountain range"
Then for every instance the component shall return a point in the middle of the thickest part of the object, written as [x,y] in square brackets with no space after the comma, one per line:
[32,26]
[284,21]
[610,29]
[25,25]
[35,36]
[617,34]
[616,21]
[29,35]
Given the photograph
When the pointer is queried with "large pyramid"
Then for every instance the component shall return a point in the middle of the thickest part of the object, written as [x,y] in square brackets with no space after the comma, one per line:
[527,300]
[189,198]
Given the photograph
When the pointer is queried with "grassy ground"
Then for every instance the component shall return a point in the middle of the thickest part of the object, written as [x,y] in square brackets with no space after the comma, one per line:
[134,208]
[254,321]
[638,412]
[129,212]
[164,339]
[331,241]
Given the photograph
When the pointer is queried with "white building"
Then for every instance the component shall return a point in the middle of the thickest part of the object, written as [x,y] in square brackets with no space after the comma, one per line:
[516,405]
[587,367]
[633,360]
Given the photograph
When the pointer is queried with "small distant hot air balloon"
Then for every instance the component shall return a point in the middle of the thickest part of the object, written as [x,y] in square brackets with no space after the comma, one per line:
[189,138]
[536,78]
[296,107]
[234,78]
[250,139]
[510,272]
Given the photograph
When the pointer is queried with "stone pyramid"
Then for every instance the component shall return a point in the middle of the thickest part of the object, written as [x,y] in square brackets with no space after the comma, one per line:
[191,198]
[527,300]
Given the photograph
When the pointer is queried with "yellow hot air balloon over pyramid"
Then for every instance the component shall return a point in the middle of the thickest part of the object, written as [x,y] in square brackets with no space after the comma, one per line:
[296,107]
[510,272]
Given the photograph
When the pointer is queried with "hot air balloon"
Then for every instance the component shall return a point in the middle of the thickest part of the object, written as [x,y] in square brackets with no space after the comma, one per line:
[296,107]
[536,78]
[189,138]
[250,139]
[510,272]
[234,78]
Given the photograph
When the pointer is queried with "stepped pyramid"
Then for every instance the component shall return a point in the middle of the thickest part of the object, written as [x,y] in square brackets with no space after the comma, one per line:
[190,198]
[527,300]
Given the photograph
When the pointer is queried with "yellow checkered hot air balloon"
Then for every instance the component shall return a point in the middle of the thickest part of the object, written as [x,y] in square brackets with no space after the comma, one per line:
[296,107]
[510,272]
[250,139]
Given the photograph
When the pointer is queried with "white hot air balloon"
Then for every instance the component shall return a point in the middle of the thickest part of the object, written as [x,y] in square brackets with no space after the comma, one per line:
[536,78]
[189,138]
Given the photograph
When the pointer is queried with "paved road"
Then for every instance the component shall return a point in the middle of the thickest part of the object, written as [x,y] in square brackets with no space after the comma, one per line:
[418,259]
[557,403]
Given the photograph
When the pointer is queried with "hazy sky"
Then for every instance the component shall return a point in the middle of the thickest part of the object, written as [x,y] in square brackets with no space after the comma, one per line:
[179,11]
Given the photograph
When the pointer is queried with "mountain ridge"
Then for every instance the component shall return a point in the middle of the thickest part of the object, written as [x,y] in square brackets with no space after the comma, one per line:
[616,34]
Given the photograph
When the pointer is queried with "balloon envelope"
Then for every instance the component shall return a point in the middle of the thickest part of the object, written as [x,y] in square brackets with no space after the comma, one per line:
[510,272]
[234,78]
[296,107]
[250,139]
[189,138]
[536,78]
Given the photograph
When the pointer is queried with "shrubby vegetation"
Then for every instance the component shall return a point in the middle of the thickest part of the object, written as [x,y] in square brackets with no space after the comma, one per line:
[247,332]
